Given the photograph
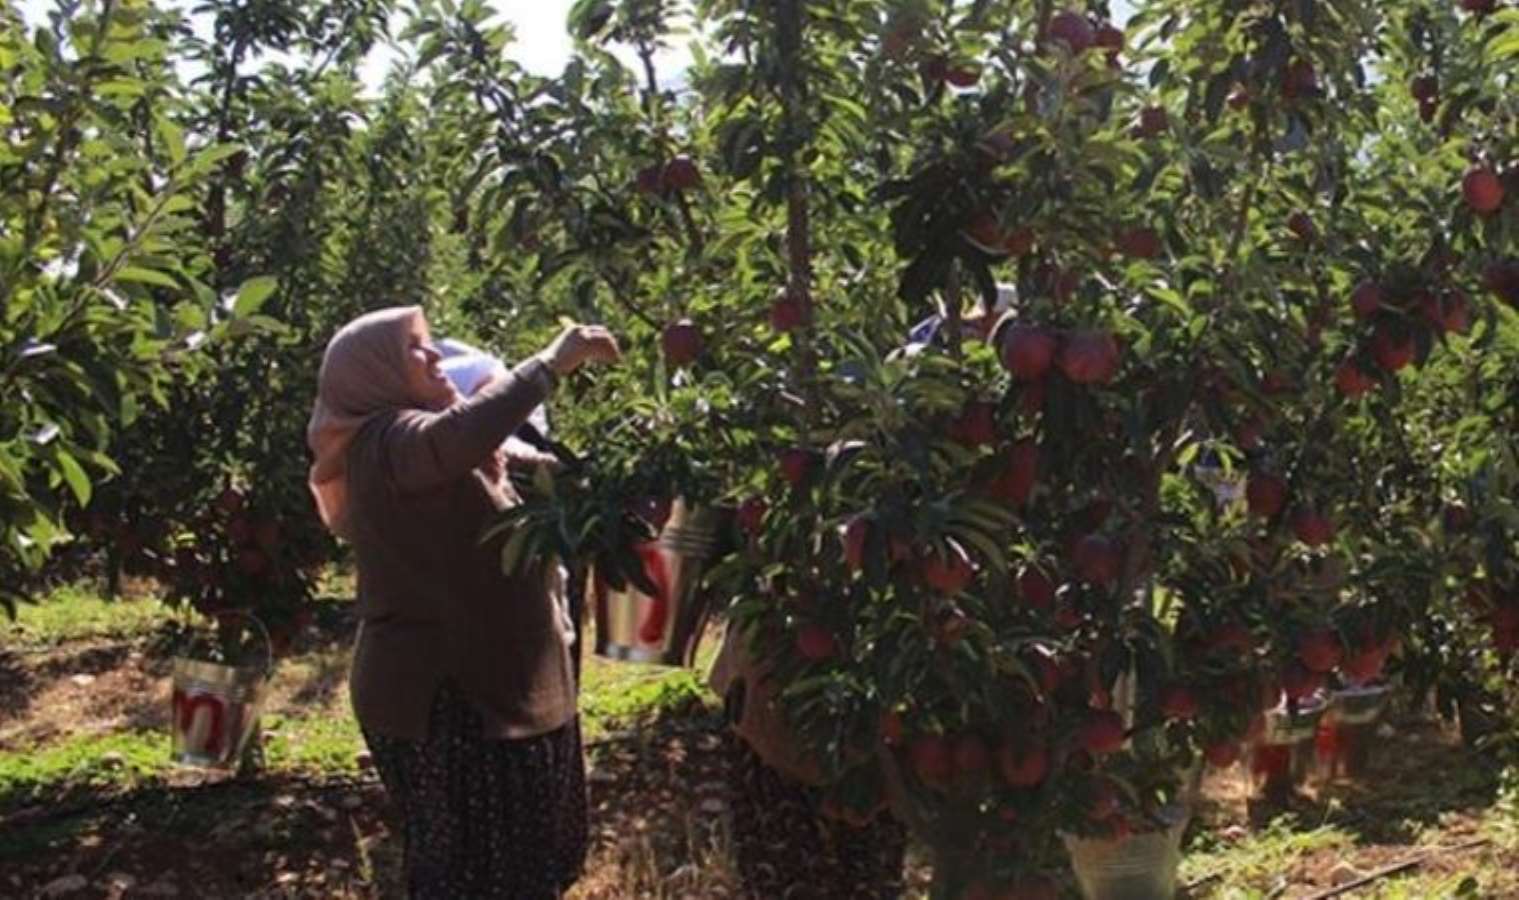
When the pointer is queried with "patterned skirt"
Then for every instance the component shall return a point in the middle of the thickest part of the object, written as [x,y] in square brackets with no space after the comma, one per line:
[486,818]
[786,851]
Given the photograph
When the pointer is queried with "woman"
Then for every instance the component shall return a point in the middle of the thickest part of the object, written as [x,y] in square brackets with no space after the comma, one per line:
[461,676]
[782,844]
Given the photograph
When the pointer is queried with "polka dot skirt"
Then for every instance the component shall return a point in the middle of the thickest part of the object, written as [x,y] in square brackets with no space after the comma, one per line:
[486,818]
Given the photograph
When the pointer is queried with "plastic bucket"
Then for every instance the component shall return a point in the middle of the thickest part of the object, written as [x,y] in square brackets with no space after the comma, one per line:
[1140,866]
[214,708]
[665,627]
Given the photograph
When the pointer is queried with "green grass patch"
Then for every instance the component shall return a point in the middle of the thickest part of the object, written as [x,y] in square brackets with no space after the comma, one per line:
[1261,857]
[94,762]
[324,744]
[108,763]
[613,692]
[78,613]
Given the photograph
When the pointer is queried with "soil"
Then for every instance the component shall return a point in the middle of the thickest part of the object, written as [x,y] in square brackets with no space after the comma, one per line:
[658,795]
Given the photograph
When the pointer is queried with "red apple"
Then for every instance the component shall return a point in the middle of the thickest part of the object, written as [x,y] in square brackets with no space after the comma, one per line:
[1018,242]
[1073,29]
[252,562]
[1351,380]
[934,69]
[751,515]
[1239,98]
[1312,528]
[1231,637]
[1036,589]
[681,174]
[1501,276]
[1265,494]
[682,343]
[931,759]
[1392,348]
[1298,682]
[1102,800]
[1456,517]
[1102,733]
[1023,766]
[971,755]
[1140,243]
[976,426]
[240,530]
[1301,226]
[1365,664]
[1455,313]
[1153,121]
[1222,754]
[266,534]
[1034,887]
[1179,703]
[648,178]
[815,643]
[1097,559]
[949,573]
[891,728]
[1027,351]
[1300,79]
[1016,474]
[797,464]
[853,534]
[230,502]
[789,312]
[1424,87]
[1111,39]
[963,76]
[1482,190]
[1366,299]
[1479,7]
[1320,650]
[1089,357]
[985,232]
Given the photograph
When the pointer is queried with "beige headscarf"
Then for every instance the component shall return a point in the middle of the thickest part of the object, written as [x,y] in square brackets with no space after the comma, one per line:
[363,375]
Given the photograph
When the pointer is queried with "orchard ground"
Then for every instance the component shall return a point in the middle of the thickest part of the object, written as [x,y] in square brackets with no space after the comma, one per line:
[91,807]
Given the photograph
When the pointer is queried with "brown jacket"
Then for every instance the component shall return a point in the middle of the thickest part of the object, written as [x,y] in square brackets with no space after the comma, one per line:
[432,600]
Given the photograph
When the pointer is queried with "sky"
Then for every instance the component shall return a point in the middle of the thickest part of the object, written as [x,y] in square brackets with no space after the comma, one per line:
[542,44]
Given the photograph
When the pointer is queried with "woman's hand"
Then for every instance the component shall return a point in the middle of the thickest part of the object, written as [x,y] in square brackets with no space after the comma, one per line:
[580,344]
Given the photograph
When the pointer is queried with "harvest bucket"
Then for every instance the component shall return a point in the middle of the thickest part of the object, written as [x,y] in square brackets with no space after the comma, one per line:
[1284,757]
[1139,866]
[1347,734]
[215,708]
[664,628]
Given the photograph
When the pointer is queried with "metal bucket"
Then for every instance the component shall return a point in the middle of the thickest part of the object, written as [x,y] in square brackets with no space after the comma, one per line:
[1360,705]
[215,708]
[665,628]
[1285,756]
[1346,739]
[1137,867]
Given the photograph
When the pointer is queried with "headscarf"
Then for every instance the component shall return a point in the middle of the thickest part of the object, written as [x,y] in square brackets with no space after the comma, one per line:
[363,375]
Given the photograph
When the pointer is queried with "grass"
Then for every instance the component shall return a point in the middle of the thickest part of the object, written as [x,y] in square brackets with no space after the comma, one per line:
[310,731]
[97,762]
[77,613]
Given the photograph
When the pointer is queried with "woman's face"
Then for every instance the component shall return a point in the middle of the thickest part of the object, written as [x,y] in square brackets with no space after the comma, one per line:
[423,375]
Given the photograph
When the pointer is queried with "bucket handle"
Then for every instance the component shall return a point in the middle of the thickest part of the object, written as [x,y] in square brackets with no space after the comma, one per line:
[263,632]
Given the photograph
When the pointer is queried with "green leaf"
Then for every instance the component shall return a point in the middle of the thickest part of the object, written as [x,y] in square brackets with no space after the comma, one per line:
[252,295]
[209,157]
[172,138]
[74,474]
[146,276]
[588,17]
